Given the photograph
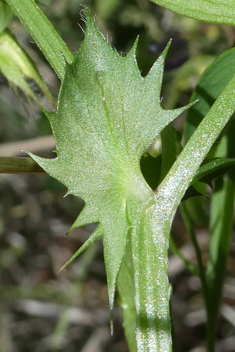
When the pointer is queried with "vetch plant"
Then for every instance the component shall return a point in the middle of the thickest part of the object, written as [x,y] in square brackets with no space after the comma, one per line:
[106,117]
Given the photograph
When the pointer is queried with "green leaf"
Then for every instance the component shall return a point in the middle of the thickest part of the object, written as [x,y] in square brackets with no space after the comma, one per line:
[46,37]
[197,209]
[17,66]
[215,11]
[187,164]
[221,228]
[6,15]
[174,185]
[213,169]
[107,115]
[210,85]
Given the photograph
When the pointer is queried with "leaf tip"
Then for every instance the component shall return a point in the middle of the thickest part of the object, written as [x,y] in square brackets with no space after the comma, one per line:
[88,19]
[111,322]
[59,270]
[132,52]
[192,103]
[165,51]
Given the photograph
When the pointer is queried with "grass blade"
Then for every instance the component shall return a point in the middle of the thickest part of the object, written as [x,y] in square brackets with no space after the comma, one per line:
[215,11]
[222,211]
[42,31]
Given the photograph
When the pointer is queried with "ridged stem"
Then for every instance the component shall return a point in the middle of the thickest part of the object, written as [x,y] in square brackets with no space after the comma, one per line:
[149,248]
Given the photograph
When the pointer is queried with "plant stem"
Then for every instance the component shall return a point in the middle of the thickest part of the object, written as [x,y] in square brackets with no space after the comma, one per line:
[150,249]
[126,290]
[21,165]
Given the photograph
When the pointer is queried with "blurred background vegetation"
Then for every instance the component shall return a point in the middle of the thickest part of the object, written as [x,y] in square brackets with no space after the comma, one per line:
[43,311]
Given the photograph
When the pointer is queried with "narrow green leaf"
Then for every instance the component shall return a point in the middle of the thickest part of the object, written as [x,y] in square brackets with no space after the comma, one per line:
[222,210]
[17,66]
[46,37]
[222,213]
[213,169]
[197,207]
[6,15]
[171,190]
[210,85]
[192,192]
[173,187]
[215,11]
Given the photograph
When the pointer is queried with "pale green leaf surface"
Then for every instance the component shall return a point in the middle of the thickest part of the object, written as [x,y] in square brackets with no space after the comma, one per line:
[107,116]
[213,11]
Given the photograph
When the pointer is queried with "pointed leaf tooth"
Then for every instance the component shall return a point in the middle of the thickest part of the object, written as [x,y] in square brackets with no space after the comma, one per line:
[112,273]
[131,58]
[49,165]
[91,27]
[87,216]
[165,51]
[132,52]
[54,168]
[94,237]
[114,240]
[171,115]
[48,114]
[155,75]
